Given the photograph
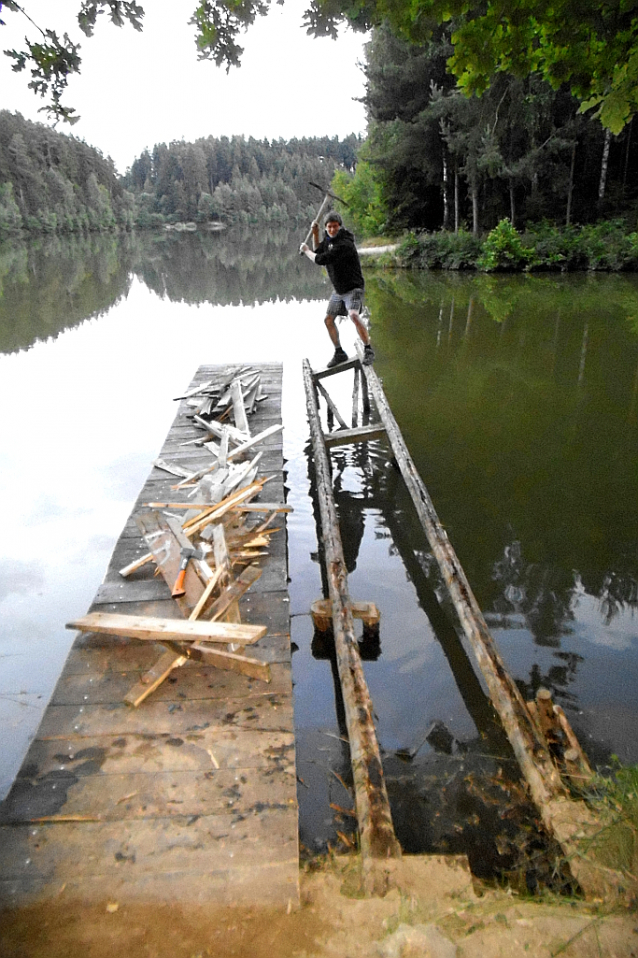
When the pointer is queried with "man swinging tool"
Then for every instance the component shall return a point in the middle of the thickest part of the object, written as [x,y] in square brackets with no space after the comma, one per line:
[338,253]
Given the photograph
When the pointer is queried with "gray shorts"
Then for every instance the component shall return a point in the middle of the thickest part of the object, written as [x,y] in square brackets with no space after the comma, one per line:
[340,304]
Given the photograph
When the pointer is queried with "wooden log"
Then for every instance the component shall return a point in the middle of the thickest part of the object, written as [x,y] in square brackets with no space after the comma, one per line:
[564,819]
[376,831]
[153,629]
[347,436]
[530,750]
[584,768]
[546,715]
[355,397]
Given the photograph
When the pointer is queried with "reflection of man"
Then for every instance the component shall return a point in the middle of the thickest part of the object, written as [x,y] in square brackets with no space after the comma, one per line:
[338,253]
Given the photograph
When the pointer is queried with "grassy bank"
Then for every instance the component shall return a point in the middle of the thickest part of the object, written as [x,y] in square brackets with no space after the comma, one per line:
[606,246]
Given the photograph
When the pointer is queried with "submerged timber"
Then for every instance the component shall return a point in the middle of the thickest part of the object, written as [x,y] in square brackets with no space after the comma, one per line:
[167,772]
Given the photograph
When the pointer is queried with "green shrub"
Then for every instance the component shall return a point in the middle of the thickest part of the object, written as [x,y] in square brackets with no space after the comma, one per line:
[439,250]
[504,250]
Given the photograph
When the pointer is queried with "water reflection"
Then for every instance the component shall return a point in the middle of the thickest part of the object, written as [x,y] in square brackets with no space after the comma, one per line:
[56,282]
[517,397]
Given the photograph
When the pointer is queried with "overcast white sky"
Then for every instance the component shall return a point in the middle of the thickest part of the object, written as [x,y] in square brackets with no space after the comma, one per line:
[136,90]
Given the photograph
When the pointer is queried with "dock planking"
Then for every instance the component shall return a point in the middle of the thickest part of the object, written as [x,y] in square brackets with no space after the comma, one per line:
[192,796]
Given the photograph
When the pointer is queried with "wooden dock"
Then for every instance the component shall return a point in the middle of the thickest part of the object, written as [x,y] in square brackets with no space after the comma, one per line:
[192,795]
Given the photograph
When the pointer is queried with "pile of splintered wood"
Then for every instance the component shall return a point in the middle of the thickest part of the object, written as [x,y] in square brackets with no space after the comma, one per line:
[208,555]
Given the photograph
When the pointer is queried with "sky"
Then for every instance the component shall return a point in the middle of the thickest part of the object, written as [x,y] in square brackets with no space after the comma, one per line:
[138,89]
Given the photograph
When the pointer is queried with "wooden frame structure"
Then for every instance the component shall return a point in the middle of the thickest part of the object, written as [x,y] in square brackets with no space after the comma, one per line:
[376,831]
[530,727]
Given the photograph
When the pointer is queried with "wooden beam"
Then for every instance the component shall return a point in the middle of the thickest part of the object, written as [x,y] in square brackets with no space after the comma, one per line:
[154,677]
[376,831]
[345,436]
[321,611]
[331,406]
[324,373]
[152,629]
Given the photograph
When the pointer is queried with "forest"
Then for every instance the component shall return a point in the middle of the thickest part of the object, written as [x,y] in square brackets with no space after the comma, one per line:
[437,159]
[51,182]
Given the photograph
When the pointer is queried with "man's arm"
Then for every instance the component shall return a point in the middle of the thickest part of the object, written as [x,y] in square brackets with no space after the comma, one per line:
[315,242]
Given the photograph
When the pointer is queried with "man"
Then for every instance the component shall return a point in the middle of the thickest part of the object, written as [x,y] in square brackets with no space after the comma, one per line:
[338,254]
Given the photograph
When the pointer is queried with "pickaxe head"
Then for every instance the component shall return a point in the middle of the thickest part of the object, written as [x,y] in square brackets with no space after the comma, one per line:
[329,193]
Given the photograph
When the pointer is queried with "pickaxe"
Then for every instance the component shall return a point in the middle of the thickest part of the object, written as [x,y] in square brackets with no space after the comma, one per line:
[187,553]
[328,195]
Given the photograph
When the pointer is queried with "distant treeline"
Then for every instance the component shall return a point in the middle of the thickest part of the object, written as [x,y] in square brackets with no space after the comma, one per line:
[236,180]
[51,182]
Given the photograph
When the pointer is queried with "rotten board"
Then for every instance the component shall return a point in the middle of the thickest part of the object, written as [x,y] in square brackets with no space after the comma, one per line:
[200,681]
[179,845]
[247,711]
[208,749]
[270,883]
[169,794]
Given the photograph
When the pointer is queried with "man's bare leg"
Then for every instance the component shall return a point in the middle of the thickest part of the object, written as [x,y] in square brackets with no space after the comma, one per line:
[333,332]
[359,326]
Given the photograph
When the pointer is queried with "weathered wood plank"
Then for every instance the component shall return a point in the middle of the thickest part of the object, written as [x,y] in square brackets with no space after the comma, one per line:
[152,629]
[174,844]
[146,795]
[210,748]
[249,711]
[344,437]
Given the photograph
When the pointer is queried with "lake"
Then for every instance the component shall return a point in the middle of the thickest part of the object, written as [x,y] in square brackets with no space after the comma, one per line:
[518,399]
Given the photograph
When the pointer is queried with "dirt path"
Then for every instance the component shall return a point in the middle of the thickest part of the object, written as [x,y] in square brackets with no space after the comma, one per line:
[433,912]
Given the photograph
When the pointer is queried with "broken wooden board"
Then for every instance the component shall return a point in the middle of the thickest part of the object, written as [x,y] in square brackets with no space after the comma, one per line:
[152,629]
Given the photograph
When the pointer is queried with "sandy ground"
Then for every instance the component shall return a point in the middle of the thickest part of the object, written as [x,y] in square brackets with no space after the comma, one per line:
[433,911]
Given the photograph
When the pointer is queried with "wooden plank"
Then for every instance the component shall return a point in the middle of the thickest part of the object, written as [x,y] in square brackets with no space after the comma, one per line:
[246,665]
[166,542]
[264,434]
[331,406]
[154,677]
[239,410]
[172,468]
[376,831]
[324,373]
[346,436]
[234,591]
[137,564]
[245,710]
[151,629]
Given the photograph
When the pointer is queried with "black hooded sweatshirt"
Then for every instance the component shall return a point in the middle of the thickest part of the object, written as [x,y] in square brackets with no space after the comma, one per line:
[339,255]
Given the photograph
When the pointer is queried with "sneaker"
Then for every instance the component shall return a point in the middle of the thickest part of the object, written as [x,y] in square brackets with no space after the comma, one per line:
[339,357]
[368,355]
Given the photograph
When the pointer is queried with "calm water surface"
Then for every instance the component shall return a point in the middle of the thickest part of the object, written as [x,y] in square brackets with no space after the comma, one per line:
[518,398]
